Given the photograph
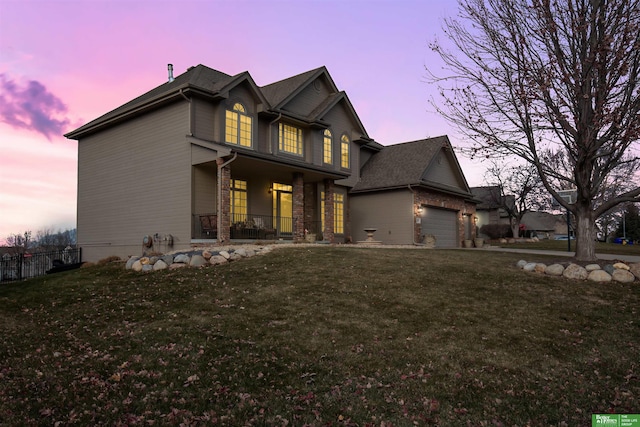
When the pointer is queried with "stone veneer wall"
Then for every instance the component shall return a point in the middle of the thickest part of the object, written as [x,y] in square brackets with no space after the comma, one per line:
[310,213]
[298,207]
[328,232]
[224,204]
[444,201]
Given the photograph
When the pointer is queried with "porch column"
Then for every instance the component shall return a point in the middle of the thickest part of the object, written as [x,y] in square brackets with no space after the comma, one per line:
[298,207]
[224,200]
[327,233]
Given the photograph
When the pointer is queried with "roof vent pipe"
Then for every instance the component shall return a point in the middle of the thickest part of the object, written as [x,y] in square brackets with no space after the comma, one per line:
[170,68]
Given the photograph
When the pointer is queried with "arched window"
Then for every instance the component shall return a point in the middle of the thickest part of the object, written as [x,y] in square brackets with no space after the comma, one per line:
[238,127]
[344,152]
[328,147]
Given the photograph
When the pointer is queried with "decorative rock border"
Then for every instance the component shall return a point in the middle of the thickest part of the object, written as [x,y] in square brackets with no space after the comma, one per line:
[194,258]
[618,272]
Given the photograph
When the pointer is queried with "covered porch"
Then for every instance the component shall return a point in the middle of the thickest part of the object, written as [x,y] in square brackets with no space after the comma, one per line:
[251,197]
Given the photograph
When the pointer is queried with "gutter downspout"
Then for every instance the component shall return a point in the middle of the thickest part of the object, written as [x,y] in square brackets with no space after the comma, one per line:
[219,219]
[413,220]
[190,106]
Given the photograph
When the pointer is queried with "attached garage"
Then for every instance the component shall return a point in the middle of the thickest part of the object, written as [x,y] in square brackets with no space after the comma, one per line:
[443,224]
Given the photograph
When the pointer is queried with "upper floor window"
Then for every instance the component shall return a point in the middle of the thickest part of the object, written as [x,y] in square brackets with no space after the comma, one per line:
[238,126]
[328,147]
[344,152]
[290,139]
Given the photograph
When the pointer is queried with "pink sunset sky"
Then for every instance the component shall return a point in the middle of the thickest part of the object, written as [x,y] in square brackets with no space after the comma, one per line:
[64,63]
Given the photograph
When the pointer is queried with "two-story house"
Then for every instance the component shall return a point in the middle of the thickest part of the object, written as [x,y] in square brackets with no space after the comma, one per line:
[211,157]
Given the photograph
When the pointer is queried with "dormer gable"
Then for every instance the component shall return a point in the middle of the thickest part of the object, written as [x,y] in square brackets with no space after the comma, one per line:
[444,170]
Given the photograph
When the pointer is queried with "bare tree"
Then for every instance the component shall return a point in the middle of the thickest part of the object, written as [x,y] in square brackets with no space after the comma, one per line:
[551,81]
[48,240]
[20,243]
[520,190]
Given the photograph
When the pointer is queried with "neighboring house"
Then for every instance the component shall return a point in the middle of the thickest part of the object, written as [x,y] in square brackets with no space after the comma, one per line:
[212,157]
[410,190]
[491,206]
[544,225]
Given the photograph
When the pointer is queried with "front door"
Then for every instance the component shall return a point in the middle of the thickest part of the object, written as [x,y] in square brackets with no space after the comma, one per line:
[283,208]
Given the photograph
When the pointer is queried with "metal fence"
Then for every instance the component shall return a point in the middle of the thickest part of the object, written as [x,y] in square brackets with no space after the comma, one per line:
[28,265]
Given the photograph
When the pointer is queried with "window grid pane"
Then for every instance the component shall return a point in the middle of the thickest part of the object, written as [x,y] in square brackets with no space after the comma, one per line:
[231,128]
[344,152]
[328,158]
[290,139]
[338,213]
[245,131]
[238,200]
[238,126]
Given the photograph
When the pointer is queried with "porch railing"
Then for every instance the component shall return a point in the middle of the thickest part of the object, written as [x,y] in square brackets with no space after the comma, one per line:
[29,265]
[244,226]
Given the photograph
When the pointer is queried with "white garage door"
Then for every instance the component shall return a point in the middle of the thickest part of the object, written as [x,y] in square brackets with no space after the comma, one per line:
[443,224]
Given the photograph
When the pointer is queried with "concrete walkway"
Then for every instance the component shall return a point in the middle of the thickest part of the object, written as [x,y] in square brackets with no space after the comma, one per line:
[626,258]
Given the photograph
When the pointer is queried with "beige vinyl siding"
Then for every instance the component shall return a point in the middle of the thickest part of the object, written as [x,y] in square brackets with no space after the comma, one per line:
[309,98]
[342,123]
[205,120]
[204,188]
[390,212]
[444,171]
[135,179]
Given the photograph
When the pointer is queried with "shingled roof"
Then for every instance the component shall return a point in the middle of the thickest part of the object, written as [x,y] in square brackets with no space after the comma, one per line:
[276,93]
[491,197]
[213,83]
[401,165]
[200,78]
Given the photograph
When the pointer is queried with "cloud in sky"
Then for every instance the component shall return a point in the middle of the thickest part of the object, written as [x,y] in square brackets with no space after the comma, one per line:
[30,105]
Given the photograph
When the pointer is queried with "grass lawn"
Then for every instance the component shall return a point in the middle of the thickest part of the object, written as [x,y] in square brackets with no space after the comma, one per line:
[319,336]
[562,245]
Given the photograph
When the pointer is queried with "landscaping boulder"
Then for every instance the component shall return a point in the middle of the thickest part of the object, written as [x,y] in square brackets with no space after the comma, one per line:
[540,267]
[217,259]
[609,268]
[521,263]
[182,259]
[623,276]
[635,269]
[592,267]
[599,276]
[197,261]
[207,255]
[168,259]
[130,262]
[554,270]
[621,266]
[575,272]
[160,265]
[236,256]
[225,254]
[137,265]
[530,266]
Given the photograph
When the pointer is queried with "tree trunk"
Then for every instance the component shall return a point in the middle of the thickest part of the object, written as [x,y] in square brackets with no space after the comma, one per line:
[515,227]
[585,234]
